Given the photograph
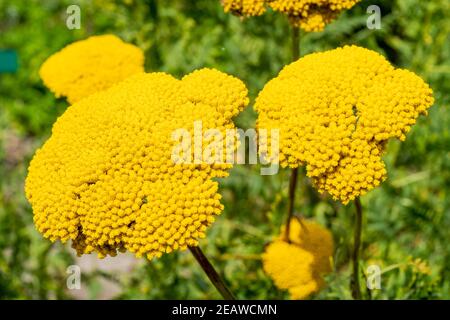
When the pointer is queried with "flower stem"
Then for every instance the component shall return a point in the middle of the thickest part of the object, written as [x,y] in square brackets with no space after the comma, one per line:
[295,43]
[292,186]
[212,274]
[294,172]
[354,284]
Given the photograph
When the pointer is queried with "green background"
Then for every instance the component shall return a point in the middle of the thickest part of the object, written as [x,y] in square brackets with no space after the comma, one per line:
[406,218]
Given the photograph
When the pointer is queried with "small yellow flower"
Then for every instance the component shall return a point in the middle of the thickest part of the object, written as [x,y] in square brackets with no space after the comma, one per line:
[335,111]
[419,266]
[246,8]
[106,179]
[299,266]
[88,66]
[311,15]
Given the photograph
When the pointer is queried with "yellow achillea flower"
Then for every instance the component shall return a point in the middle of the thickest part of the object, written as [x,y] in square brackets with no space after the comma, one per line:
[290,267]
[106,179]
[245,8]
[299,266]
[419,266]
[87,66]
[310,15]
[336,110]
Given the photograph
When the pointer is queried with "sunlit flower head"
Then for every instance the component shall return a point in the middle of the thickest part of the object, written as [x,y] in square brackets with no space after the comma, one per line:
[245,8]
[88,66]
[106,179]
[310,15]
[299,266]
[336,110]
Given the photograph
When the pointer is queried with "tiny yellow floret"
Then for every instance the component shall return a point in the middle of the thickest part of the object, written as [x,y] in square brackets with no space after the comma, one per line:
[335,111]
[88,66]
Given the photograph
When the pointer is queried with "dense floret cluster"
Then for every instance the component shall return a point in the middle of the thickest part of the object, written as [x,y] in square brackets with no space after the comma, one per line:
[245,8]
[310,15]
[299,266]
[106,178]
[88,66]
[336,110]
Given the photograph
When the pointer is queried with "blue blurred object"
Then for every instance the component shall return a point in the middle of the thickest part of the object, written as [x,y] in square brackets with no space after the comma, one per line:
[8,61]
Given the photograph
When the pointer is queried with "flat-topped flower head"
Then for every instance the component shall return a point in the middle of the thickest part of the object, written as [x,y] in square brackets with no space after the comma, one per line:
[299,266]
[106,179]
[88,66]
[245,8]
[309,15]
[336,110]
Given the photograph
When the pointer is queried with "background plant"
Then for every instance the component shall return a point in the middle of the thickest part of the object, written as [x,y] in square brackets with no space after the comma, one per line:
[408,216]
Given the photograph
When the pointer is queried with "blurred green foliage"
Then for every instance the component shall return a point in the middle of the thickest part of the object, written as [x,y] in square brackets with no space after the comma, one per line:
[407,218]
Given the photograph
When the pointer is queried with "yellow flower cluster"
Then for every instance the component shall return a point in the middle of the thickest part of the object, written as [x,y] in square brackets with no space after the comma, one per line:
[106,178]
[85,67]
[336,110]
[419,265]
[299,266]
[245,8]
[310,15]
